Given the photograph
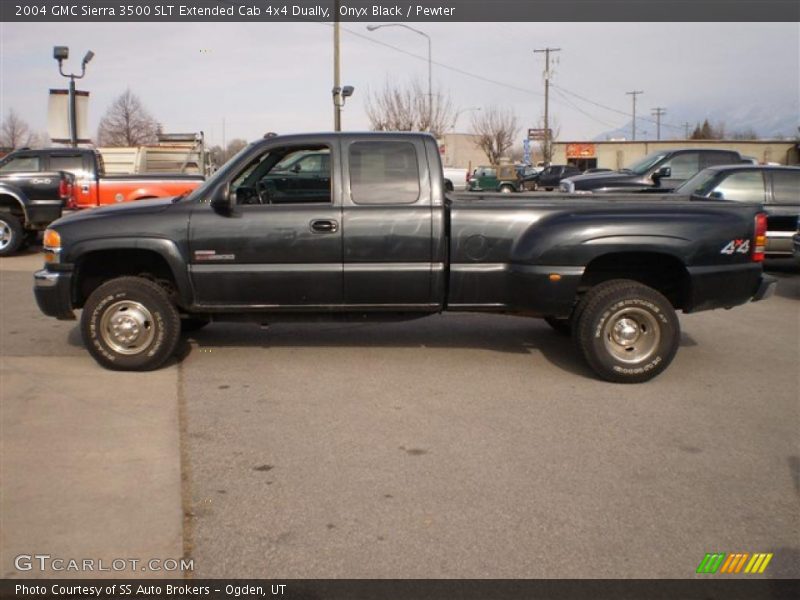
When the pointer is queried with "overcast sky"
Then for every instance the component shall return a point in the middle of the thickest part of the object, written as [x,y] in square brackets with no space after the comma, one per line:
[262,77]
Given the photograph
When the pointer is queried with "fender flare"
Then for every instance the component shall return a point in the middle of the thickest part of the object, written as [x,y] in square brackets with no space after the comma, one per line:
[166,249]
[17,195]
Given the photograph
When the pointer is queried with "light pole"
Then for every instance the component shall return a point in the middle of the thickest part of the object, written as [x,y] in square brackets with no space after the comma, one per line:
[61,53]
[430,62]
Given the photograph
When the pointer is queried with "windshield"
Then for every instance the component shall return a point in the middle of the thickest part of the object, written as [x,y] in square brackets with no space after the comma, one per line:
[698,185]
[640,167]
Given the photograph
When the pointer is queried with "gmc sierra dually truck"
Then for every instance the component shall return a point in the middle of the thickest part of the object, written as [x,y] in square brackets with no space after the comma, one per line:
[380,238]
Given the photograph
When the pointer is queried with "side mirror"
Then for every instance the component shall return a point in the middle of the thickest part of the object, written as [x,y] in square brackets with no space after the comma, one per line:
[296,169]
[663,173]
[716,196]
[224,200]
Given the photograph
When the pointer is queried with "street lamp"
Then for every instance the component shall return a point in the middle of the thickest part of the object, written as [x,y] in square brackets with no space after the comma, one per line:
[61,53]
[430,62]
[340,94]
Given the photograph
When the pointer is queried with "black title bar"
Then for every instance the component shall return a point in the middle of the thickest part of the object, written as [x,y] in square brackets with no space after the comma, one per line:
[707,588]
[449,11]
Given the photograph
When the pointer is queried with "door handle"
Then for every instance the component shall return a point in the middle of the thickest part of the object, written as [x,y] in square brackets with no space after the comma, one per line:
[324,226]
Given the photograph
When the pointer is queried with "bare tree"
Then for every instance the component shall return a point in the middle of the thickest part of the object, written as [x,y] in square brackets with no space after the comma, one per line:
[14,132]
[220,156]
[495,130]
[127,123]
[409,108]
[748,133]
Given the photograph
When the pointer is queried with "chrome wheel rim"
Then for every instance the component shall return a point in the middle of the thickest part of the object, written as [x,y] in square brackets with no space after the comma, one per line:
[127,327]
[5,235]
[631,335]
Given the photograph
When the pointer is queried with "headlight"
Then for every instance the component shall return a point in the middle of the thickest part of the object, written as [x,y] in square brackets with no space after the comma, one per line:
[52,246]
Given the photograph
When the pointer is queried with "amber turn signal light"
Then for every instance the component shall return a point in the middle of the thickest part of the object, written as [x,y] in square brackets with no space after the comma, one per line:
[52,240]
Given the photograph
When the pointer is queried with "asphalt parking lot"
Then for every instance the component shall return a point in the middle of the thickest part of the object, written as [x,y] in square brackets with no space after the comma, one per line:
[452,446]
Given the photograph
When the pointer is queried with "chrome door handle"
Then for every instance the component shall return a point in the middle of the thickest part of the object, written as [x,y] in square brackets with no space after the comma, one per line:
[324,226]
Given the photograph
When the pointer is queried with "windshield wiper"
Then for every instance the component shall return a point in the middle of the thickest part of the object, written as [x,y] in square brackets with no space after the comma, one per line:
[179,198]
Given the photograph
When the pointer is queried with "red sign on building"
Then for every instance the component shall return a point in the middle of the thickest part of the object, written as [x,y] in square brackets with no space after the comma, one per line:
[580,151]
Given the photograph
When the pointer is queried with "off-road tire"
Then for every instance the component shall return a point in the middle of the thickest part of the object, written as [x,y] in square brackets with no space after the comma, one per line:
[128,302]
[12,234]
[627,332]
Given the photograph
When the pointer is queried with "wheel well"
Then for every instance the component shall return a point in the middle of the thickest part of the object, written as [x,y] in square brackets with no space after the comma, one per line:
[99,266]
[661,272]
[13,206]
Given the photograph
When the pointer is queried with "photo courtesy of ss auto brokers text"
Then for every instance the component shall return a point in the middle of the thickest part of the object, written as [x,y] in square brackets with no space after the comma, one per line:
[399,300]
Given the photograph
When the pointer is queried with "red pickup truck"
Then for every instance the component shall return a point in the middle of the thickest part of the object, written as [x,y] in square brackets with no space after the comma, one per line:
[92,186]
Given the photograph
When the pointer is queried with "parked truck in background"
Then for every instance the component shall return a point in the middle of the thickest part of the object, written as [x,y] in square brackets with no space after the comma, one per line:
[93,187]
[174,154]
[662,170]
[383,240]
[29,202]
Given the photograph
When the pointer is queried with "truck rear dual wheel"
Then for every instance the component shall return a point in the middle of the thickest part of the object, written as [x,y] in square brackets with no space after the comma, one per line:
[12,234]
[130,324]
[627,332]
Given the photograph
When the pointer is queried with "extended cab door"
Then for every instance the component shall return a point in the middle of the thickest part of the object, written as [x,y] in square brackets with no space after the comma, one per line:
[278,248]
[387,223]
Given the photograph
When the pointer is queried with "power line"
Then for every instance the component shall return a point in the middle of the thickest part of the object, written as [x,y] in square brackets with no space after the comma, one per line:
[466,73]
[611,108]
[565,99]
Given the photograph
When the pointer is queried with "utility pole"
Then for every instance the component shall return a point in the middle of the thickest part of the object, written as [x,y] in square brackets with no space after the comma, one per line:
[547,52]
[686,130]
[658,112]
[337,86]
[634,94]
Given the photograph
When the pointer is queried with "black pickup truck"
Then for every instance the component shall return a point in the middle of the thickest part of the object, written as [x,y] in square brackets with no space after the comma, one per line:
[659,171]
[384,240]
[29,202]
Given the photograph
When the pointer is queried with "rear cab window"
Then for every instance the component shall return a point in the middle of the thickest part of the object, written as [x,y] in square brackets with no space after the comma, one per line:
[786,187]
[71,163]
[385,172]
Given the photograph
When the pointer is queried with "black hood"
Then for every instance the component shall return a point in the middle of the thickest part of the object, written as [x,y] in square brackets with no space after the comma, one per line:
[123,209]
[594,181]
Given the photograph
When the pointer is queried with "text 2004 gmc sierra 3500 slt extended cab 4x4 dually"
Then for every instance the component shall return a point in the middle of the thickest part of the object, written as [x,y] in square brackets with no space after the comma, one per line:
[374,234]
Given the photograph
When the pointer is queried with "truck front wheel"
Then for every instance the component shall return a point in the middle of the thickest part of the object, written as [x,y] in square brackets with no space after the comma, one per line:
[130,324]
[11,234]
[627,332]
